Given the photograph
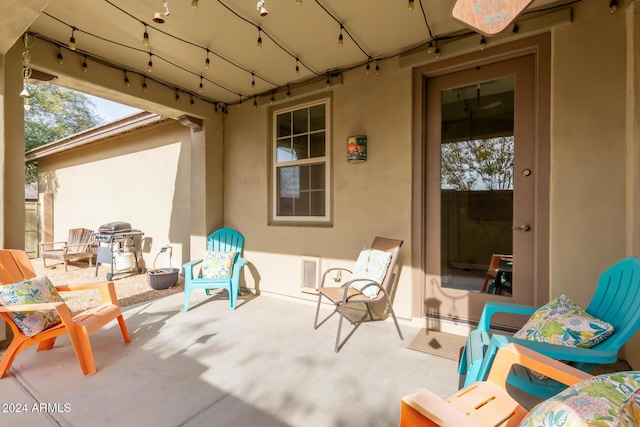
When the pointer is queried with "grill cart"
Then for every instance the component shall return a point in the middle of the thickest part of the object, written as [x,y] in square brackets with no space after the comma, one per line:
[112,239]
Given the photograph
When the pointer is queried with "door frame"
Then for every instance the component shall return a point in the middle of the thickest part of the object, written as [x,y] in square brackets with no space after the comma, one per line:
[540,47]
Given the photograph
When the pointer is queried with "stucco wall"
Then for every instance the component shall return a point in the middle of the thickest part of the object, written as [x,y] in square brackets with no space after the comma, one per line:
[587,150]
[369,199]
[141,177]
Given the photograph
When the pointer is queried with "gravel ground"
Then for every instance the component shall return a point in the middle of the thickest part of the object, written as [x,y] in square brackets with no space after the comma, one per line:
[130,288]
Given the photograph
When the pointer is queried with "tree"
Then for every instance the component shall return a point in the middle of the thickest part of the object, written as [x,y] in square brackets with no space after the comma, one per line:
[55,113]
[478,164]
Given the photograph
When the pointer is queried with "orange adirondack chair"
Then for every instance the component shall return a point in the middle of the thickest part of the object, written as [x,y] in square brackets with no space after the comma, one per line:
[15,266]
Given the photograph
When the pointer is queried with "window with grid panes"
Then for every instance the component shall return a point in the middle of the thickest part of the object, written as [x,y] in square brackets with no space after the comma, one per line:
[301,163]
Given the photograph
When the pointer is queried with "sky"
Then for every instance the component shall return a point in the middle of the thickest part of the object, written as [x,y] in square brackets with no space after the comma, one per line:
[111,110]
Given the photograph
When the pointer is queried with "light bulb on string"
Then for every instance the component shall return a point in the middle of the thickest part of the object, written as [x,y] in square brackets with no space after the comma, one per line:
[297,67]
[150,64]
[126,80]
[200,88]
[288,92]
[377,69]
[259,42]
[177,97]
[145,36]
[255,103]
[367,69]
[410,6]
[85,67]
[437,53]
[430,48]
[144,84]
[240,103]
[72,39]
[340,37]
[193,103]
[60,58]
[298,2]
[483,43]
[194,4]
[207,63]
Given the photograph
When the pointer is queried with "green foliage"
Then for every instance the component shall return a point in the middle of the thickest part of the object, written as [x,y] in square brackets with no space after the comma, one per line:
[55,113]
[479,164]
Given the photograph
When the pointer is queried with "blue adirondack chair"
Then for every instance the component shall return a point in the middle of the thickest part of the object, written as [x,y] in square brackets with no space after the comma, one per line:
[616,301]
[223,240]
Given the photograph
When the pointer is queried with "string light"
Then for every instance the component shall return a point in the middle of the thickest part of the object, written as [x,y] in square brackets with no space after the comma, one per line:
[297,67]
[144,84]
[272,99]
[367,68]
[240,103]
[340,37]
[613,6]
[60,58]
[430,48]
[206,61]
[253,82]
[516,28]
[145,36]
[85,67]
[200,88]
[259,43]
[437,52]
[150,64]
[288,92]
[193,103]
[483,43]
[298,2]
[377,68]
[410,5]
[255,103]
[177,97]
[126,80]
[328,82]
[72,39]
[194,4]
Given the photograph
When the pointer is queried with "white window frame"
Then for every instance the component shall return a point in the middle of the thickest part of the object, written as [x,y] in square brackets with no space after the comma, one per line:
[326,160]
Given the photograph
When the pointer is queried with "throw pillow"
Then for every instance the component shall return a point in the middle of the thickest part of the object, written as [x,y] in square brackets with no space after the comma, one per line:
[32,291]
[218,265]
[605,400]
[562,322]
[371,264]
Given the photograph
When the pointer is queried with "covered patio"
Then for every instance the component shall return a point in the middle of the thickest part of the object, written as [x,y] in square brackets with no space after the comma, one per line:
[261,365]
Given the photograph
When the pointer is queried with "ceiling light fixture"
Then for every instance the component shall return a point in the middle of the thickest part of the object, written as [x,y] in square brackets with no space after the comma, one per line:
[297,67]
[126,80]
[85,67]
[367,69]
[613,6]
[255,103]
[260,7]
[193,103]
[194,4]
[377,68]
[410,4]
[207,63]
[430,48]
[340,37]
[158,17]
[144,84]
[177,97]
[483,43]
[200,88]
[253,82]
[72,39]
[240,103]
[437,52]
[60,58]
[150,64]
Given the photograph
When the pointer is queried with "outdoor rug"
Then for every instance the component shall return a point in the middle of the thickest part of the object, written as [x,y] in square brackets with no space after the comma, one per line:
[438,343]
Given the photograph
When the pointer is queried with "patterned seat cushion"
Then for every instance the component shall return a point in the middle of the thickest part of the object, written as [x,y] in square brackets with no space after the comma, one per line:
[371,264]
[32,291]
[562,322]
[608,400]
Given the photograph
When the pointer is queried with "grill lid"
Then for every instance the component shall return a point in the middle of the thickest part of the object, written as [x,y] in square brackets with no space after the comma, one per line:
[115,227]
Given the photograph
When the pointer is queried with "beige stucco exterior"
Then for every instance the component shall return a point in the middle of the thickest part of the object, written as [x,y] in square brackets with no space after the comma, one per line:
[178,185]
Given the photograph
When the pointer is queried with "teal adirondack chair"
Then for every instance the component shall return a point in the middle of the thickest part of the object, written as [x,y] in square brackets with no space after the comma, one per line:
[224,240]
[616,301]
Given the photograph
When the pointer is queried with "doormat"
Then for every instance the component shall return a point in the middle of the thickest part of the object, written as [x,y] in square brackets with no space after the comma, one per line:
[438,343]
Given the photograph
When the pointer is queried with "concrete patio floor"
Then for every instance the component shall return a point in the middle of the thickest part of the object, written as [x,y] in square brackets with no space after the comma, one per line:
[260,365]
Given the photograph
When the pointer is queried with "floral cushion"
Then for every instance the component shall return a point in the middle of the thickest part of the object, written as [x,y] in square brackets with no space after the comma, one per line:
[606,400]
[562,322]
[218,265]
[32,291]
[371,264]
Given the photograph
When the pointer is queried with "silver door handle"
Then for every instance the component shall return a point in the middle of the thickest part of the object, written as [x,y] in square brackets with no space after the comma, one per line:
[523,227]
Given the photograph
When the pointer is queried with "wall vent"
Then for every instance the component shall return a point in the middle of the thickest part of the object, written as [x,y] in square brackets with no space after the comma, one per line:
[310,274]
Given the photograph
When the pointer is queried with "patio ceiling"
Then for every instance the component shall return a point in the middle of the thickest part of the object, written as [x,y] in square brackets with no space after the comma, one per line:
[227,31]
